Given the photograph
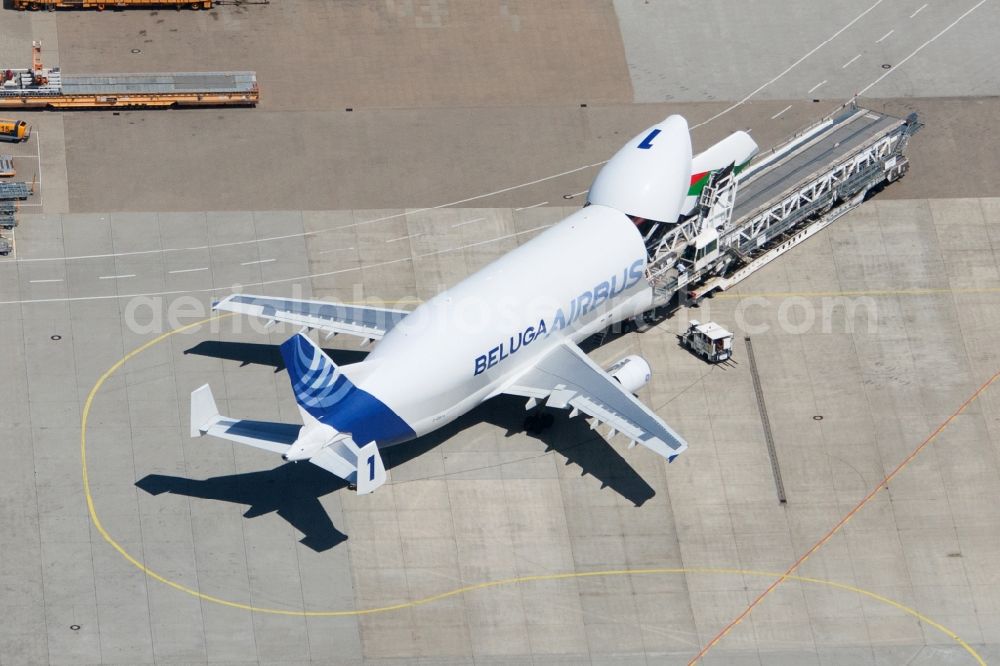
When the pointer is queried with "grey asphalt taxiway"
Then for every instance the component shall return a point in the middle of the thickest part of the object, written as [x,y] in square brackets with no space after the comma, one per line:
[123,540]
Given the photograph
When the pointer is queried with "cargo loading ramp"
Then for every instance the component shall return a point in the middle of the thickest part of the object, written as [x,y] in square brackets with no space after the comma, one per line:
[766,180]
[822,170]
[784,196]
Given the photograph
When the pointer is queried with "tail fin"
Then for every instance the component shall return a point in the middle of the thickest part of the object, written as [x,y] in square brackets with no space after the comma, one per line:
[326,393]
[317,383]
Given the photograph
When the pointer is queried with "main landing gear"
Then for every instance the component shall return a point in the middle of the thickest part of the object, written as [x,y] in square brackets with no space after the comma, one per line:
[538,421]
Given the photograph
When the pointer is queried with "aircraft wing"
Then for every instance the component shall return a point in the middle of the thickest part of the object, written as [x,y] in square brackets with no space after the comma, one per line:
[567,378]
[363,321]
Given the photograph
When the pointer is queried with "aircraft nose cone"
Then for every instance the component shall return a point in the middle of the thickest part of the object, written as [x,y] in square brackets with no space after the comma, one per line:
[649,177]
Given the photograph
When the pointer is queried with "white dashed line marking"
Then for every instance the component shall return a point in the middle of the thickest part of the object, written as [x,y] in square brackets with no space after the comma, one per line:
[885,36]
[920,48]
[393,240]
[531,206]
[43,281]
[287,280]
[477,244]
[795,64]
[259,261]
[919,9]
[775,116]
[462,224]
[188,270]
[336,249]
[850,62]
[477,197]
[116,277]
[817,85]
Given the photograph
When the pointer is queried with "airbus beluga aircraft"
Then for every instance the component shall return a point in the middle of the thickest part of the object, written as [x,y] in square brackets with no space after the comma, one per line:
[510,328]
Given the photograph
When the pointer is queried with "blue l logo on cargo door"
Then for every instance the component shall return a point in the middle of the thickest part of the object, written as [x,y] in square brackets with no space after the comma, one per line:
[647,143]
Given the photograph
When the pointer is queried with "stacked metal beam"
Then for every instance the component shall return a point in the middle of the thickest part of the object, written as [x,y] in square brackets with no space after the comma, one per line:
[12,191]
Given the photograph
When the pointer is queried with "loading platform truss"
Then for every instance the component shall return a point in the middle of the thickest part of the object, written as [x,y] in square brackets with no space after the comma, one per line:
[101,5]
[39,87]
[784,197]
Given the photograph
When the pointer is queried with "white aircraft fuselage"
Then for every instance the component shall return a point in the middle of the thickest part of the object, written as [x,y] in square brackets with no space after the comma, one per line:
[585,273]
[511,327]
[460,347]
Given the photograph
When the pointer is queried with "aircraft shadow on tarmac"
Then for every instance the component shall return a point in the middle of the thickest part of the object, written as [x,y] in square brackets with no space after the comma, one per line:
[294,490]
[291,490]
[248,353]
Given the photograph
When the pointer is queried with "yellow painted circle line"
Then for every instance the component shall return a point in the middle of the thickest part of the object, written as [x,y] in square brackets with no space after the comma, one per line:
[450,593]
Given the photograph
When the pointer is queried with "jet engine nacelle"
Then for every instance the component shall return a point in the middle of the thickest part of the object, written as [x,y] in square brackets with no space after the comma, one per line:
[649,177]
[632,372]
[312,438]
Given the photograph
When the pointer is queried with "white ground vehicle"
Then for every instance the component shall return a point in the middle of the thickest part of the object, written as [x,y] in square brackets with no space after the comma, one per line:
[710,341]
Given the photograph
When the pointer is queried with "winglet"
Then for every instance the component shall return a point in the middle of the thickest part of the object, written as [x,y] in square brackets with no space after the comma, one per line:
[371,471]
[204,413]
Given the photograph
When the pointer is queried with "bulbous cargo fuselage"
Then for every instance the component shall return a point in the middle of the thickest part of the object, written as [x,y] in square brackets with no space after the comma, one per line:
[452,351]
[576,278]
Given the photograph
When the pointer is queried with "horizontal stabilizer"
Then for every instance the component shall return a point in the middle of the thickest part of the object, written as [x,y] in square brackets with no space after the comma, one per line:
[206,420]
[371,471]
[204,413]
[339,456]
[361,466]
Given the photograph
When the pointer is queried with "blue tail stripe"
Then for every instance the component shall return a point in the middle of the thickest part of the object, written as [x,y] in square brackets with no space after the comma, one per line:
[333,393]
[330,396]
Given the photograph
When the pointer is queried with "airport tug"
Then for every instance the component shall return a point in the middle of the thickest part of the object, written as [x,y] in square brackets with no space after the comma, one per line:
[709,341]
